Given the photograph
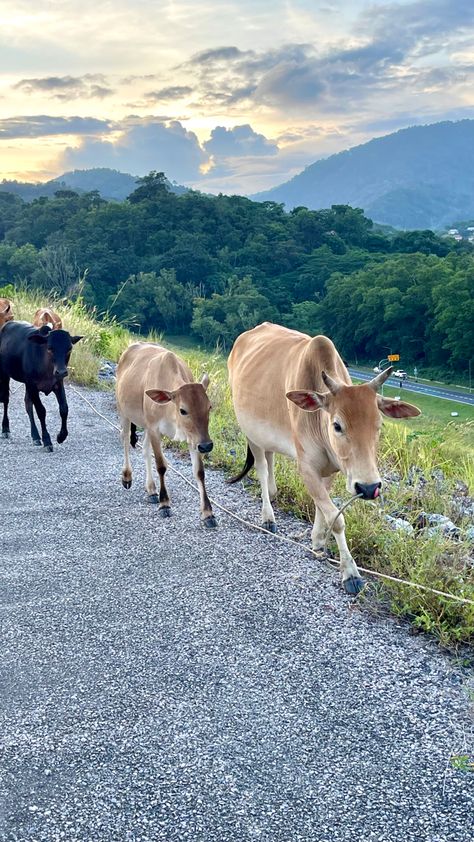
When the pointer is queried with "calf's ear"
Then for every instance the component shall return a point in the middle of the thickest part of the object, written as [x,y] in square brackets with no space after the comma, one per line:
[397,409]
[205,381]
[75,339]
[310,401]
[160,396]
[38,338]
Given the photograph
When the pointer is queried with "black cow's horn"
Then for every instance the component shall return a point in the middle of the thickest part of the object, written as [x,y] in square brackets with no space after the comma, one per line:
[378,381]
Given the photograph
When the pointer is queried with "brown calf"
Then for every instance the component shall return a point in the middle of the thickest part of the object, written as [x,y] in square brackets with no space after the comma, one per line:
[47,316]
[6,311]
[275,373]
[155,390]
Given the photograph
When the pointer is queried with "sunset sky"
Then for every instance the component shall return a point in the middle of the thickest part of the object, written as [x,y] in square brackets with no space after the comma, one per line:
[231,96]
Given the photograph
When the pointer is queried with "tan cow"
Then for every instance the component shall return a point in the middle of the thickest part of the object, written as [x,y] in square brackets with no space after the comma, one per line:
[275,373]
[155,390]
[47,316]
[6,311]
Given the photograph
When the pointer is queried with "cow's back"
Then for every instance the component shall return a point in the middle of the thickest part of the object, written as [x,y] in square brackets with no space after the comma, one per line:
[17,354]
[142,366]
[267,362]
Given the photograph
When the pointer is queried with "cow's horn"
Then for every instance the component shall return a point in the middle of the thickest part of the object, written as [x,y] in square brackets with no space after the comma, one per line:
[378,381]
[331,384]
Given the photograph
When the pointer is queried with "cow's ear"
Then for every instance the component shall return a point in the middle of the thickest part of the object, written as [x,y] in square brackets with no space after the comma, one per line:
[38,338]
[397,409]
[160,396]
[310,401]
[75,339]
[6,310]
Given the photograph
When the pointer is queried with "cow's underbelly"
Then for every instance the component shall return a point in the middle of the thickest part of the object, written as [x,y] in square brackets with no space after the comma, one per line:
[266,434]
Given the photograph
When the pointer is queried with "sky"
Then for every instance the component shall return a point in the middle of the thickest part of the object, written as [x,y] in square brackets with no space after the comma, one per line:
[222,96]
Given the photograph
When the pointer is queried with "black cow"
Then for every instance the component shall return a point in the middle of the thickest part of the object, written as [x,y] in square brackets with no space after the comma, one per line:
[39,359]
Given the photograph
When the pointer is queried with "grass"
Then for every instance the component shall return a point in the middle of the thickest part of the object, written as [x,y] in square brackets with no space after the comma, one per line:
[434,442]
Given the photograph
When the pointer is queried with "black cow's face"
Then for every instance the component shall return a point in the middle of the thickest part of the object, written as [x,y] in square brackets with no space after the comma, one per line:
[58,345]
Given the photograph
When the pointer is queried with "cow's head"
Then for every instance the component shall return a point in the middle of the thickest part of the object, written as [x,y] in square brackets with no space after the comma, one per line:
[192,407]
[351,426]
[47,316]
[6,311]
[58,345]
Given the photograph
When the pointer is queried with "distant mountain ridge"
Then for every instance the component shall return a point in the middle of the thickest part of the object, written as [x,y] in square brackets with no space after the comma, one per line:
[111,184]
[419,177]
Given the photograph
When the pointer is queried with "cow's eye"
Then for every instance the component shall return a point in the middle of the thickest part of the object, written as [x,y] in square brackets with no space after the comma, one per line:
[337,427]
[183,411]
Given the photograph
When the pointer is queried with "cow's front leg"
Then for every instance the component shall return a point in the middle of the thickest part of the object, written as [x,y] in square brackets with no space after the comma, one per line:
[63,411]
[41,413]
[351,579]
[164,508]
[207,515]
[29,411]
[4,398]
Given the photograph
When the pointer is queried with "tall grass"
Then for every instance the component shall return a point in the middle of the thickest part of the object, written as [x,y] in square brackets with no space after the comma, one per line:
[431,443]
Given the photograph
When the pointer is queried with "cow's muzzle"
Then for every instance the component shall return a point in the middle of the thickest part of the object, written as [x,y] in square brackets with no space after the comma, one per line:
[205,446]
[60,373]
[368,491]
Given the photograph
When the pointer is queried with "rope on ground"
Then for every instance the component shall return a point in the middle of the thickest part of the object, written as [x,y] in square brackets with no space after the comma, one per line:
[284,538]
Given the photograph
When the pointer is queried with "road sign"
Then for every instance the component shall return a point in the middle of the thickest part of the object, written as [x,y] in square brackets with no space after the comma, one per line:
[393,357]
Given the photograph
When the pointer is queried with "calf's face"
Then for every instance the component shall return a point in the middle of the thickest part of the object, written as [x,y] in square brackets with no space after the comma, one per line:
[58,344]
[352,425]
[192,407]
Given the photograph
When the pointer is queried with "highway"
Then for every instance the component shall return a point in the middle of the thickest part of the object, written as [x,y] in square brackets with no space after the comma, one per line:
[408,385]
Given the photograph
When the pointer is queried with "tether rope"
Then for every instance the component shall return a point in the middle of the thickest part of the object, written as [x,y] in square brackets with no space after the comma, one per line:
[284,538]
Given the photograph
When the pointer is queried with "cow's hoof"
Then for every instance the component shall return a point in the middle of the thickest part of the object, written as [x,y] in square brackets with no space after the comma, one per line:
[152,498]
[48,448]
[6,434]
[210,522]
[127,483]
[165,511]
[353,585]
[61,437]
[37,442]
[270,526]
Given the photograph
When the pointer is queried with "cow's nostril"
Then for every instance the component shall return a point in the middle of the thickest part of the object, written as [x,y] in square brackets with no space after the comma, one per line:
[205,446]
[369,491]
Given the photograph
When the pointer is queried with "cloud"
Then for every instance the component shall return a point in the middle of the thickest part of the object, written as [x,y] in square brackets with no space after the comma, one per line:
[171,93]
[239,141]
[144,146]
[67,87]
[45,126]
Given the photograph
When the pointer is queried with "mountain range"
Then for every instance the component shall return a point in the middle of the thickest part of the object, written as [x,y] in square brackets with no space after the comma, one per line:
[419,177]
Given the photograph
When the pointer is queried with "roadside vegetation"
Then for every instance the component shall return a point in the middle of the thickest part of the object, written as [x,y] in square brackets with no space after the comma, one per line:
[427,464]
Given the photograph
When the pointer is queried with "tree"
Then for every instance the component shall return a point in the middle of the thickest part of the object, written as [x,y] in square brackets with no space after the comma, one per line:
[150,187]
[222,317]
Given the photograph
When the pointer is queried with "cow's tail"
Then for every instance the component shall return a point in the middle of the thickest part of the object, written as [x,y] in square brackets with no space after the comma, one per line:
[249,461]
[133,434]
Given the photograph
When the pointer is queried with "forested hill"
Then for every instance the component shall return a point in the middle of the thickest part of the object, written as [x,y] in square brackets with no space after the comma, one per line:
[420,177]
[216,266]
[110,183]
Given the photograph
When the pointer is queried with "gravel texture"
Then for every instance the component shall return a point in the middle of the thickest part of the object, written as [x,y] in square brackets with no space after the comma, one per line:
[166,682]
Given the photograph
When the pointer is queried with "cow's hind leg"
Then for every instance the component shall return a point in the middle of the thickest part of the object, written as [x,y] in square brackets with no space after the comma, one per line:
[127,466]
[351,579]
[33,428]
[164,500]
[4,398]
[41,413]
[261,466]
[272,489]
[207,515]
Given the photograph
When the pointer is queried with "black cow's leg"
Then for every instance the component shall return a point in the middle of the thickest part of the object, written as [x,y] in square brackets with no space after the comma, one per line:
[4,398]
[29,410]
[60,393]
[41,413]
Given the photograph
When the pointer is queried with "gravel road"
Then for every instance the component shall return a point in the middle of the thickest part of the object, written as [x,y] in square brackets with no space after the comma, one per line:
[166,682]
